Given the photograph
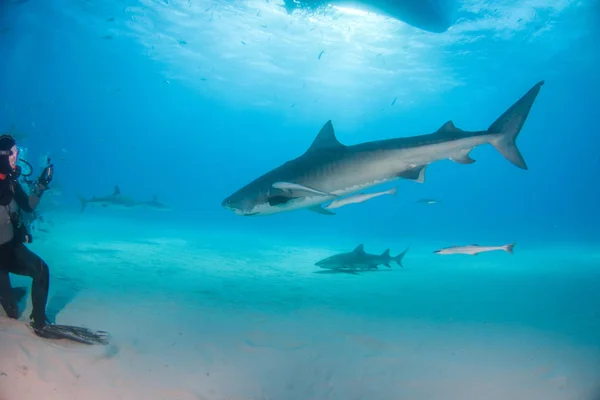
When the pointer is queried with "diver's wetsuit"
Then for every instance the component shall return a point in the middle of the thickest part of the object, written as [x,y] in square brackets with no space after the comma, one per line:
[16,258]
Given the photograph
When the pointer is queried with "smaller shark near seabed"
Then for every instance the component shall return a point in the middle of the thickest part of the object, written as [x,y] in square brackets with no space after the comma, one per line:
[359,260]
[117,200]
[474,249]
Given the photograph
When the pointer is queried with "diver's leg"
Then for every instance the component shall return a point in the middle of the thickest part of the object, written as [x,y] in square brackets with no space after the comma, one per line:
[28,263]
[26,260]
[7,299]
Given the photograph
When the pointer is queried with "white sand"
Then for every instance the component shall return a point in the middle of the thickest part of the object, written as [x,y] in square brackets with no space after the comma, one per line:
[192,317]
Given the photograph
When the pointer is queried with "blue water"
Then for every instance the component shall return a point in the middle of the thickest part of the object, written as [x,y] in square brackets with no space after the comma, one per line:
[191,100]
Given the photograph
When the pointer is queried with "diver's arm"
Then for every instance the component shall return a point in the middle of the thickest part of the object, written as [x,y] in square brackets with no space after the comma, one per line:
[25,202]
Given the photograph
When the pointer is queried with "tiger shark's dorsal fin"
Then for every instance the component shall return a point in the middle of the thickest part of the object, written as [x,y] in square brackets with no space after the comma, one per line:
[360,248]
[116,191]
[325,140]
[448,127]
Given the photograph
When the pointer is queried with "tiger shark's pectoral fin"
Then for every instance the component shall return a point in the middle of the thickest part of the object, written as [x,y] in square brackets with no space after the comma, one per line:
[287,186]
[320,210]
[416,174]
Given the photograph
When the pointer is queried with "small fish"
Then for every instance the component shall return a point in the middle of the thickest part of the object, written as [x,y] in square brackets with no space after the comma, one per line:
[474,249]
[394,102]
[321,53]
[358,198]
[428,201]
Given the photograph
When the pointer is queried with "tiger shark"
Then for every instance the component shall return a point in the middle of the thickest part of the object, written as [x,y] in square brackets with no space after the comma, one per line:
[329,169]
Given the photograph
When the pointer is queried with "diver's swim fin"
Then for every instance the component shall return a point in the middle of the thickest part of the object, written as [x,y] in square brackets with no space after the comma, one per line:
[75,333]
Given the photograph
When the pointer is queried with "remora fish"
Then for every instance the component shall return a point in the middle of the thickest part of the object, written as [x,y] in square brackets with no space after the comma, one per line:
[358,260]
[474,249]
[329,169]
[358,198]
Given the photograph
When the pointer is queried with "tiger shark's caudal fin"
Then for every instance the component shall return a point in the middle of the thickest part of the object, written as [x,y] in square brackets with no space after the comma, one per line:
[509,125]
[400,256]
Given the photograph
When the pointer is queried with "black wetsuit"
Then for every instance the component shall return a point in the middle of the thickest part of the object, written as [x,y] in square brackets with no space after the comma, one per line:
[15,257]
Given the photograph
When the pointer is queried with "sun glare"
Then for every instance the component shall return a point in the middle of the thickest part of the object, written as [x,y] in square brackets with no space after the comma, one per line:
[352,11]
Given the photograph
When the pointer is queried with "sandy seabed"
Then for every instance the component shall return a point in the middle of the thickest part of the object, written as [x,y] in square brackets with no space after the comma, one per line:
[219,315]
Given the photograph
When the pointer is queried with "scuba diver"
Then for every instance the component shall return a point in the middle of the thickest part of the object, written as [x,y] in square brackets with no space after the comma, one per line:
[16,258]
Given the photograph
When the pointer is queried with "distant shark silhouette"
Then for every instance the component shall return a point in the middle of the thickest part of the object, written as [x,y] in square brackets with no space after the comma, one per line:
[430,15]
[118,200]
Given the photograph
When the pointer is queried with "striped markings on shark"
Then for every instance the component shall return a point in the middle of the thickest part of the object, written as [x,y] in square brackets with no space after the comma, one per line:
[118,200]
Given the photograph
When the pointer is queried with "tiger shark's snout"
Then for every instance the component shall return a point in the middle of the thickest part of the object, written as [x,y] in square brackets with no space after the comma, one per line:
[226,203]
[229,204]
